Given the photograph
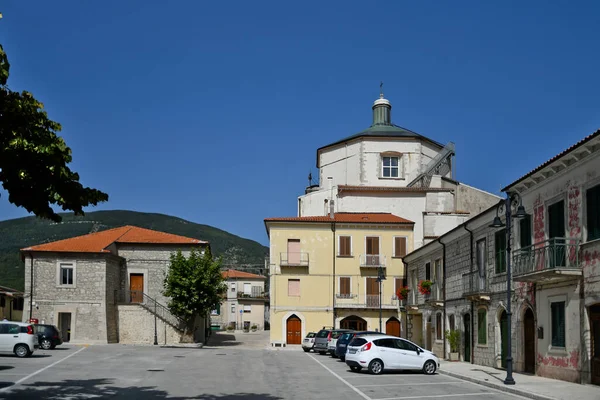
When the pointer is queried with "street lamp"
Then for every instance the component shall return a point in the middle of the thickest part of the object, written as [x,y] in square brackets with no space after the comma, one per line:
[512,199]
[380,278]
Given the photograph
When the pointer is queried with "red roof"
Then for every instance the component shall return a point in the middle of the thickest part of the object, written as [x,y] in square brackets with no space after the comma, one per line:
[355,218]
[99,241]
[234,273]
[556,157]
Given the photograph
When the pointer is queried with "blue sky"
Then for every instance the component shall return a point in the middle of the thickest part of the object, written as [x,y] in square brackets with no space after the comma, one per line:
[213,111]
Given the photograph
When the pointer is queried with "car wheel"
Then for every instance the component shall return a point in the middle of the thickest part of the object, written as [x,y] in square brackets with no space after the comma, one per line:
[355,369]
[429,367]
[342,358]
[305,349]
[46,344]
[376,366]
[322,353]
[21,350]
[334,356]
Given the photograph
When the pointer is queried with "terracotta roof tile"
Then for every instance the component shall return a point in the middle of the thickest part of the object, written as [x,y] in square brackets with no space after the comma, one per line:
[99,241]
[234,273]
[356,218]
[556,157]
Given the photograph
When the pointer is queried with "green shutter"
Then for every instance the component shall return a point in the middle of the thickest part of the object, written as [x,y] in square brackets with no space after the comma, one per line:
[482,327]
[500,249]
[558,324]
[593,213]
[219,309]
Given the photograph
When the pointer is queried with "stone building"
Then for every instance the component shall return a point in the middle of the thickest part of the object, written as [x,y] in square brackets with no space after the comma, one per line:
[555,257]
[106,287]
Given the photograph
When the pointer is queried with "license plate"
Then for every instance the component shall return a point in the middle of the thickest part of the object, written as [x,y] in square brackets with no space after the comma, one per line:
[352,351]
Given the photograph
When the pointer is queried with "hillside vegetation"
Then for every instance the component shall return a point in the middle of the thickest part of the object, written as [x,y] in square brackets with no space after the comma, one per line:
[18,233]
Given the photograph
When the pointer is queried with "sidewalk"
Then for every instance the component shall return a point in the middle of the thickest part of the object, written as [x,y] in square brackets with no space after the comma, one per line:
[531,386]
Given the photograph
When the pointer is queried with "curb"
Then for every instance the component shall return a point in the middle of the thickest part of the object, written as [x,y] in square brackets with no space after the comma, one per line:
[506,388]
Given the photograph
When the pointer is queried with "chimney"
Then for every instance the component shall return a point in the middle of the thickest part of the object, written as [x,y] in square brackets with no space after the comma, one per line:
[331,209]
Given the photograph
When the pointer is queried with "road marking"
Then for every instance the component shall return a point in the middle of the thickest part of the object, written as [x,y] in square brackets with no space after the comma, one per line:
[40,370]
[413,384]
[361,394]
[437,396]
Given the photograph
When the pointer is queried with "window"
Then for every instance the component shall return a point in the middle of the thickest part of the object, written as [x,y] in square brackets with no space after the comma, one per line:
[399,246]
[438,326]
[525,231]
[390,167]
[345,286]
[247,308]
[428,271]
[592,199]
[293,287]
[400,283]
[248,288]
[372,250]
[500,239]
[67,274]
[557,311]
[482,326]
[451,322]
[2,302]
[233,309]
[345,246]
[216,311]
[479,283]
[404,345]
[18,304]
[439,276]
[233,286]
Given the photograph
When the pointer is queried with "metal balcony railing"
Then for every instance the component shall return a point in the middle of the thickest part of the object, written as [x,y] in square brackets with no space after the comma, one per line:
[552,254]
[253,295]
[473,284]
[372,260]
[365,301]
[293,259]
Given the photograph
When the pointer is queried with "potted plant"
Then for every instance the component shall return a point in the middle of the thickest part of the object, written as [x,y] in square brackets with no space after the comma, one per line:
[453,338]
[425,287]
[254,328]
[402,293]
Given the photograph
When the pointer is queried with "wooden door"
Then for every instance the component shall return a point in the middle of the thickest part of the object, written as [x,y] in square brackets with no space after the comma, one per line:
[467,338]
[529,341]
[293,251]
[294,330]
[372,250]
[392,327]
[136,288]
[595,345]
[503,338]
[372,292]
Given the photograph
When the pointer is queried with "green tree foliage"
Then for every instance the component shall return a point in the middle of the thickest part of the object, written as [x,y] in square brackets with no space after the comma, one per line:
[194,285]
[33,158]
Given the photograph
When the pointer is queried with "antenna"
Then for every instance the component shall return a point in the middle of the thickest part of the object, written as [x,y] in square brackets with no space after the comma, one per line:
[381,90]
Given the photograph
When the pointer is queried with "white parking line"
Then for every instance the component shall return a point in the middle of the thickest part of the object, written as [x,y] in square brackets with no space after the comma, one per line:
[415,383]
[40,370]
[437,396]
[361,394]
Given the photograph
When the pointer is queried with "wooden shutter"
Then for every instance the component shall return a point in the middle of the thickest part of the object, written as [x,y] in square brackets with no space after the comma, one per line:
[372,286]
[345,286]
[399,246]
[481,327]
[345,247]
[399,282]
[372,245]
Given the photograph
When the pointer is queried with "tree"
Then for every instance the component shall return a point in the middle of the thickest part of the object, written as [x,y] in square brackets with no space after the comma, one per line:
[33,158]
[194,286]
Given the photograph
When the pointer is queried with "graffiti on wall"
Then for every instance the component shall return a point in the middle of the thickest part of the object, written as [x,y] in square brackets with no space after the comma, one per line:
[571,361]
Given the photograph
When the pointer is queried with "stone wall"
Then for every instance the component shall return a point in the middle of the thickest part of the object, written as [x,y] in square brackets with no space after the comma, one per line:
[136,326]
[113,270]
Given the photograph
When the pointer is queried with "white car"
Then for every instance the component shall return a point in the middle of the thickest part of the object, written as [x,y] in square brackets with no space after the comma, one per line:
[309,342]
[18,338]
[379,352]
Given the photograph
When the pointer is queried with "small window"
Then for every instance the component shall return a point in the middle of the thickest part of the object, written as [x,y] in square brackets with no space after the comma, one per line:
[399,246]
[293,287]
[345,246]
[66,274]
[482,326]
[525,231]
[18,304]
[451,322]
[438,326]
[592,198]
[557,310]
[390,167]
[247,308]
[232,309]
[428,271]
[216,311]
[233,286]
[500,240]
[345,287]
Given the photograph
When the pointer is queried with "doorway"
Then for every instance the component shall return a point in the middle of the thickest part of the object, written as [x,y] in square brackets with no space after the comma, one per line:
[595,345]
[293,251]
[556,234]
[354,323]
[64,325]
[372,292]
[136,288]
[417,329]
[529,341]
[392,327]
[503,338]
[294,330]
[467,338]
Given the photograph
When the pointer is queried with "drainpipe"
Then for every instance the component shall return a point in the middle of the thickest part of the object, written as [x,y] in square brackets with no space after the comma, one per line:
[444,293]
[333,259]
[31,287]
[472,338]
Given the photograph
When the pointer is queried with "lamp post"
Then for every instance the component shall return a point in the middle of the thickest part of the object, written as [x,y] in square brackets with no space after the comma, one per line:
[380,278]
[512,199]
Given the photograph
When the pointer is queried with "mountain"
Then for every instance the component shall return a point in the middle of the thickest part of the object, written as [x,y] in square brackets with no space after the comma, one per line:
[18,233]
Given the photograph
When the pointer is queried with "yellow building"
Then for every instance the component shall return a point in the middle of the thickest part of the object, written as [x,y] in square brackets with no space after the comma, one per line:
[324,272]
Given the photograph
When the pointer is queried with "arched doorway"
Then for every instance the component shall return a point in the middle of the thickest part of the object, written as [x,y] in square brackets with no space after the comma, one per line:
[529,341]
[353,322]
[503,338]
[467,338]
[294,330]
[595,345]
[392,327]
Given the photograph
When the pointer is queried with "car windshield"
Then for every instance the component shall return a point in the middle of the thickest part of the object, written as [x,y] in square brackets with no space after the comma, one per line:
[357,342]
[336,335]
[346,336]
[310,335]
[322,334]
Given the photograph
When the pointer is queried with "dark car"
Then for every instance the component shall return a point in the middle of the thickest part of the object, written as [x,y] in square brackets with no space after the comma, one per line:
[342,343]
[48,335]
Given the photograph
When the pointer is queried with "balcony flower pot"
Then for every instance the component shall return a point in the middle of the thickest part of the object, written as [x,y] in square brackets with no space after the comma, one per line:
[253,328]
[425,287]
[402,293]
[453,338]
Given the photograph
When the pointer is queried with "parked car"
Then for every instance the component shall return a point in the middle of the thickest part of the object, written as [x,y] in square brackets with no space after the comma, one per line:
[322,340]
[18,338]
[335,335]
[309,342]
[48,336]
[379,352]
[342,342]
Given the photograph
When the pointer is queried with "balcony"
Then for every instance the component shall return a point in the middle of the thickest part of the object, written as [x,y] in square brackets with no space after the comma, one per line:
[475,287]
[255,295]
[435,298]
[365,301]
[293,260]
[372,260]
[552,260]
